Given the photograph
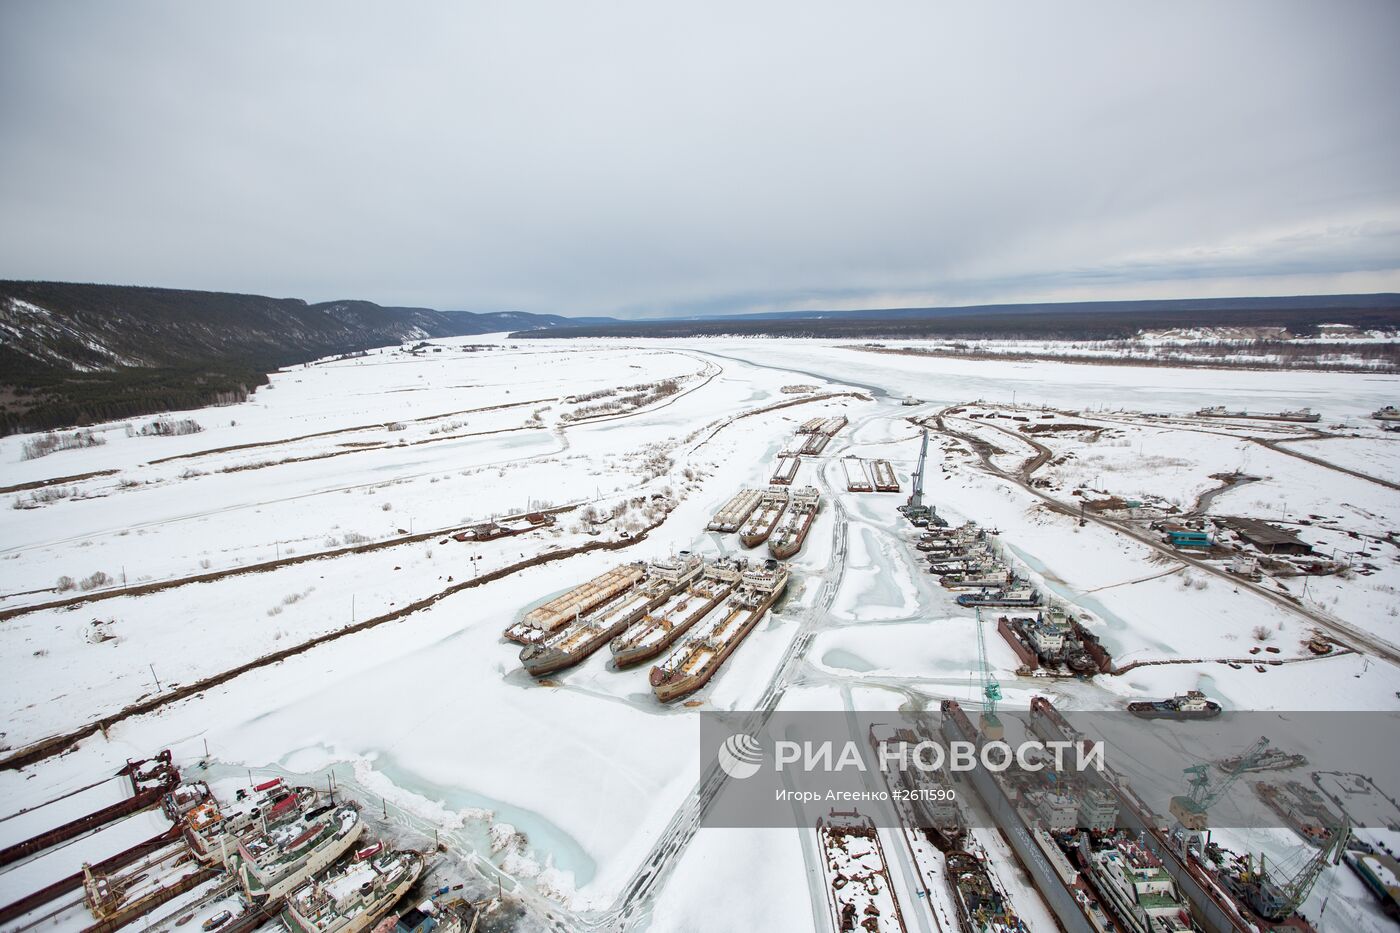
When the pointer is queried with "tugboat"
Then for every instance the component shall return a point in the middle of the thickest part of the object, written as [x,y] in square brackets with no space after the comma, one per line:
[982,576]
[1272,759]
[1388,413]
[1193,704]
[353,898]
[1017,594]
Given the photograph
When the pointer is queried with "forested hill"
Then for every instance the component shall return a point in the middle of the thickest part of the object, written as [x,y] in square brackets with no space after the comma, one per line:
[1085,320]
[76,354]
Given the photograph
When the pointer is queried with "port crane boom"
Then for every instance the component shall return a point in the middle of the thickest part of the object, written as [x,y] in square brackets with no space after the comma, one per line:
[1190,809]
[991,687]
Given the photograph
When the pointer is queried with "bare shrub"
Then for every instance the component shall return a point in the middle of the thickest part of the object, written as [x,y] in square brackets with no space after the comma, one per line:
[42,497]
[93,582]
[1262,633]
[354,537]
[275,611]
[46,444]
[386,506]
[64,584]
[167,427]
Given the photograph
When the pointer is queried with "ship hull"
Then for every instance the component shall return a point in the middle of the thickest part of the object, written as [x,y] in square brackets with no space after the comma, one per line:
[365,918]
[757,533]
[548,662]
[1154,711]
[631,656]
[790,546]
[318,863]
[676,688]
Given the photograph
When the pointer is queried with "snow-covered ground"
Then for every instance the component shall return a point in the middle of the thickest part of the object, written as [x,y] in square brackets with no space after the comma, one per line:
[432,712]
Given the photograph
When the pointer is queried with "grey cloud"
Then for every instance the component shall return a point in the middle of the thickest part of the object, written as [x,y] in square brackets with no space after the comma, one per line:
[643,158]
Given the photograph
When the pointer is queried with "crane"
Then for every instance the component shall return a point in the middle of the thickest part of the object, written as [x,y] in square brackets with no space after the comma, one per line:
[991,687]
[916,494]
[1190,808]
[1275,896]
[914,509]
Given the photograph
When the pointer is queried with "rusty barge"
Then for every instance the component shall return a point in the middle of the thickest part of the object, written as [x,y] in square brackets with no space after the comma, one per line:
[732,515]
[578,639]
[802,512]
[705,650]
[765,518]
[540,622]
[659,628]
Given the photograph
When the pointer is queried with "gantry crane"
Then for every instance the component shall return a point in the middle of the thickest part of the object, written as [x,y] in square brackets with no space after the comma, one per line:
[1193,826]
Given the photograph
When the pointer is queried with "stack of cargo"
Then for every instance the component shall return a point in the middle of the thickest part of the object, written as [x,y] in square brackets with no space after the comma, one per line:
[584,598]
[732,515]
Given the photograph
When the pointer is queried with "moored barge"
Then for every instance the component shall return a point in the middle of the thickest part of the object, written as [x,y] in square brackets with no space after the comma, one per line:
[705,650]
[802,512]
[539,622]
[578,639]
[658,629]
[765,518]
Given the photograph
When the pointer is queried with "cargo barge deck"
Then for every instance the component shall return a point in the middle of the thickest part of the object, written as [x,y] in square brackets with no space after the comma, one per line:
[580,638]
[656,631]
[705,650]
[761,524]
[802,512]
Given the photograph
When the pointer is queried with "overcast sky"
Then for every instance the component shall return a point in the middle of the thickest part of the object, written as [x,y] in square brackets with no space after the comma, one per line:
[661,157]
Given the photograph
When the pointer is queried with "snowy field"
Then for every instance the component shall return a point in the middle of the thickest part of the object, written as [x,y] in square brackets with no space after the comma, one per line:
[145,564]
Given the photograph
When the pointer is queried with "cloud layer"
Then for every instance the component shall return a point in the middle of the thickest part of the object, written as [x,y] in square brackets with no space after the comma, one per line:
[639,158]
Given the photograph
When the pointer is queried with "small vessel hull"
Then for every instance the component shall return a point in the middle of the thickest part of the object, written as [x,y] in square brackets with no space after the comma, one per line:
[1162,711]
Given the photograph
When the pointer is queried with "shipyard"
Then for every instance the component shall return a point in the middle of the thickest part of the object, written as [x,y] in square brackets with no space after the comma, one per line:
[967,557]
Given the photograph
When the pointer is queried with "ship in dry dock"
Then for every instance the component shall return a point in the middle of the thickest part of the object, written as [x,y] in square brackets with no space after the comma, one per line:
[1132,882]
[586,597]
[705,650]
[732,515]
[662,626]
[765,518]
[802,512]
[578,639]
[981,904]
